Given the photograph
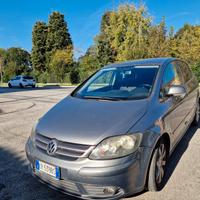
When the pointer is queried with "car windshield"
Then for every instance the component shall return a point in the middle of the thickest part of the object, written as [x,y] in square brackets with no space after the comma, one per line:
[120,83]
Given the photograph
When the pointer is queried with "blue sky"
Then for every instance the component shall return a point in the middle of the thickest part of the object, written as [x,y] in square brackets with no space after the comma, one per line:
[17,17]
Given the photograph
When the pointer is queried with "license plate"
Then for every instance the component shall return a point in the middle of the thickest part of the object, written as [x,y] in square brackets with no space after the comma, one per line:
[48,169]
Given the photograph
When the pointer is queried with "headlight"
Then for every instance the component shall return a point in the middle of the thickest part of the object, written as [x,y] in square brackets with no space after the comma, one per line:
[116,147]
[33,131]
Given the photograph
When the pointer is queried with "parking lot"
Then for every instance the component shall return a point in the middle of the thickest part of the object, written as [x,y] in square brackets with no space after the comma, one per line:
[19,110]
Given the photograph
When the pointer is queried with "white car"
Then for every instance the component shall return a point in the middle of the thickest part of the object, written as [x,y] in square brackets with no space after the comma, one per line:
[22,81]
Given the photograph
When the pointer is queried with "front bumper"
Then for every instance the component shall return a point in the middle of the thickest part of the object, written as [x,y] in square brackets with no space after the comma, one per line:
[89,179]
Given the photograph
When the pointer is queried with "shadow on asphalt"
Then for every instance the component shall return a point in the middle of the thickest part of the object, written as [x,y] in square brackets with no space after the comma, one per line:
[4,90]
[16,182]
[179,151]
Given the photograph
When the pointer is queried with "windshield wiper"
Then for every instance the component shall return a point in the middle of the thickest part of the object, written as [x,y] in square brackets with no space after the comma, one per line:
[101,98]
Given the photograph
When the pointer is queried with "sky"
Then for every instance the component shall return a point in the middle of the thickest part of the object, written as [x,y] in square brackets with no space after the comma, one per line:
[17,17]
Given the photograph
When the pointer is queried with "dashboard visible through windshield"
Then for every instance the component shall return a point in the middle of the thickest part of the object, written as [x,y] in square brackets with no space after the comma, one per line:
[120,83]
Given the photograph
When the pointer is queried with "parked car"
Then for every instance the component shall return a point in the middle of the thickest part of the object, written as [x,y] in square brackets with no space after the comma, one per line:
[113,135]
[22,81]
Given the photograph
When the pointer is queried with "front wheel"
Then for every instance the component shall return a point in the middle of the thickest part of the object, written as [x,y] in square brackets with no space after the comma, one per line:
[157,167]
[21,86]
[9,85]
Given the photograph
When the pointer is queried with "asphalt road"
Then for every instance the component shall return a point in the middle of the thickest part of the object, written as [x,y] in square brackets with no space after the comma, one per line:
[20,108]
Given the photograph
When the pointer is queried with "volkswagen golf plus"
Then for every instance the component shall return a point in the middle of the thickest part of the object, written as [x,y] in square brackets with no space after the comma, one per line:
[113,135]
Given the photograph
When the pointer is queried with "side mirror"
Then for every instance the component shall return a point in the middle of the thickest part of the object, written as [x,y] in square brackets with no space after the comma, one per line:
[177,90]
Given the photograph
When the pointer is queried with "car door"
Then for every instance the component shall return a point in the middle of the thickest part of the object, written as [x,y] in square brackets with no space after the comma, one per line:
[11,81]
[191,85]
[174,118]
[14,81]
[17,80]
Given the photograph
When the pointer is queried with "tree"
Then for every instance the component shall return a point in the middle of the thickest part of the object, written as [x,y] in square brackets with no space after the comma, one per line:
[105,53]
[157,45]
[89,63]
[2,62]
[123,34]
[74,76]
[20,59]
[39,37]
[58,37]
[188,44]
[172,43]
[61,63]
[15,61]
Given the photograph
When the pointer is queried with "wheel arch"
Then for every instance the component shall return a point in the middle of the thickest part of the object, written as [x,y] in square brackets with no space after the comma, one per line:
[165,136]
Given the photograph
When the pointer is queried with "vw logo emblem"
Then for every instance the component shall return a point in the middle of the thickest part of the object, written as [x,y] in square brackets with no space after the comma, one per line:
[52,147]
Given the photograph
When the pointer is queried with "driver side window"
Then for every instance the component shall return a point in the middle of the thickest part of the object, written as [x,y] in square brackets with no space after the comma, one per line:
[172,76]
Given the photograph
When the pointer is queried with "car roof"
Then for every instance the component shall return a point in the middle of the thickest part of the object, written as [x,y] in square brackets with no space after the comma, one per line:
[149,61]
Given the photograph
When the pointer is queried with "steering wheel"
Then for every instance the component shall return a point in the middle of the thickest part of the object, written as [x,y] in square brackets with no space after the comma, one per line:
[147,86]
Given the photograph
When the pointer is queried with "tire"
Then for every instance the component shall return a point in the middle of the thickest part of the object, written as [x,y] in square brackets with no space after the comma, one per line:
[33,86]
[9,85]
[21,86]
[158,167]
[195,121]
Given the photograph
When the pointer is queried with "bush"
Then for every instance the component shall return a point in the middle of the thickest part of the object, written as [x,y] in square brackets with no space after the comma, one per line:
[74,76]
[196,70]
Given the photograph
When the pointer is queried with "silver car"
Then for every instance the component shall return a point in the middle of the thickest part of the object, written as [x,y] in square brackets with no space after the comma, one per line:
[113,135]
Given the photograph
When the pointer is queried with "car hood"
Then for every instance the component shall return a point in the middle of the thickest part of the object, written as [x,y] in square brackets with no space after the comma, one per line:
[86,121]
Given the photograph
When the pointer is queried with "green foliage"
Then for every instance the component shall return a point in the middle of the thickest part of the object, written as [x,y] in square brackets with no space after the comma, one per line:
[74,76]
[52,53]
[123,34]
[58,37]
[61,63]
[17,61]
[88,64]
[157,43]
[196,69]
[39,37]
[188,44]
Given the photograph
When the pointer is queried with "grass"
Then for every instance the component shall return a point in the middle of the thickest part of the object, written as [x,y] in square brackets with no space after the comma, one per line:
[3,84]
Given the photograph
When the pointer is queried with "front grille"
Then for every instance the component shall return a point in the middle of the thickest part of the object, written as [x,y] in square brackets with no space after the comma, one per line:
[65,150]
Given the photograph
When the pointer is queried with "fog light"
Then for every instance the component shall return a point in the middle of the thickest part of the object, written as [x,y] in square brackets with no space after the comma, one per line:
[109,190]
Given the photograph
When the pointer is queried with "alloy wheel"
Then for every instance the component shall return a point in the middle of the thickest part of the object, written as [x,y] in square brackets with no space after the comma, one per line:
[161,163]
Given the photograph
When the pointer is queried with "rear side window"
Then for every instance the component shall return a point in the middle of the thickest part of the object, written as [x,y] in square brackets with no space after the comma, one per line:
[186,72]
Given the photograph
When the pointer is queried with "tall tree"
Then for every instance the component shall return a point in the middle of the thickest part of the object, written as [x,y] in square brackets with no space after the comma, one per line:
[59,47]
[123,34]
[2,62]
[58,37]
[157,40]
[105,53]
[38,56]
[188,44]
